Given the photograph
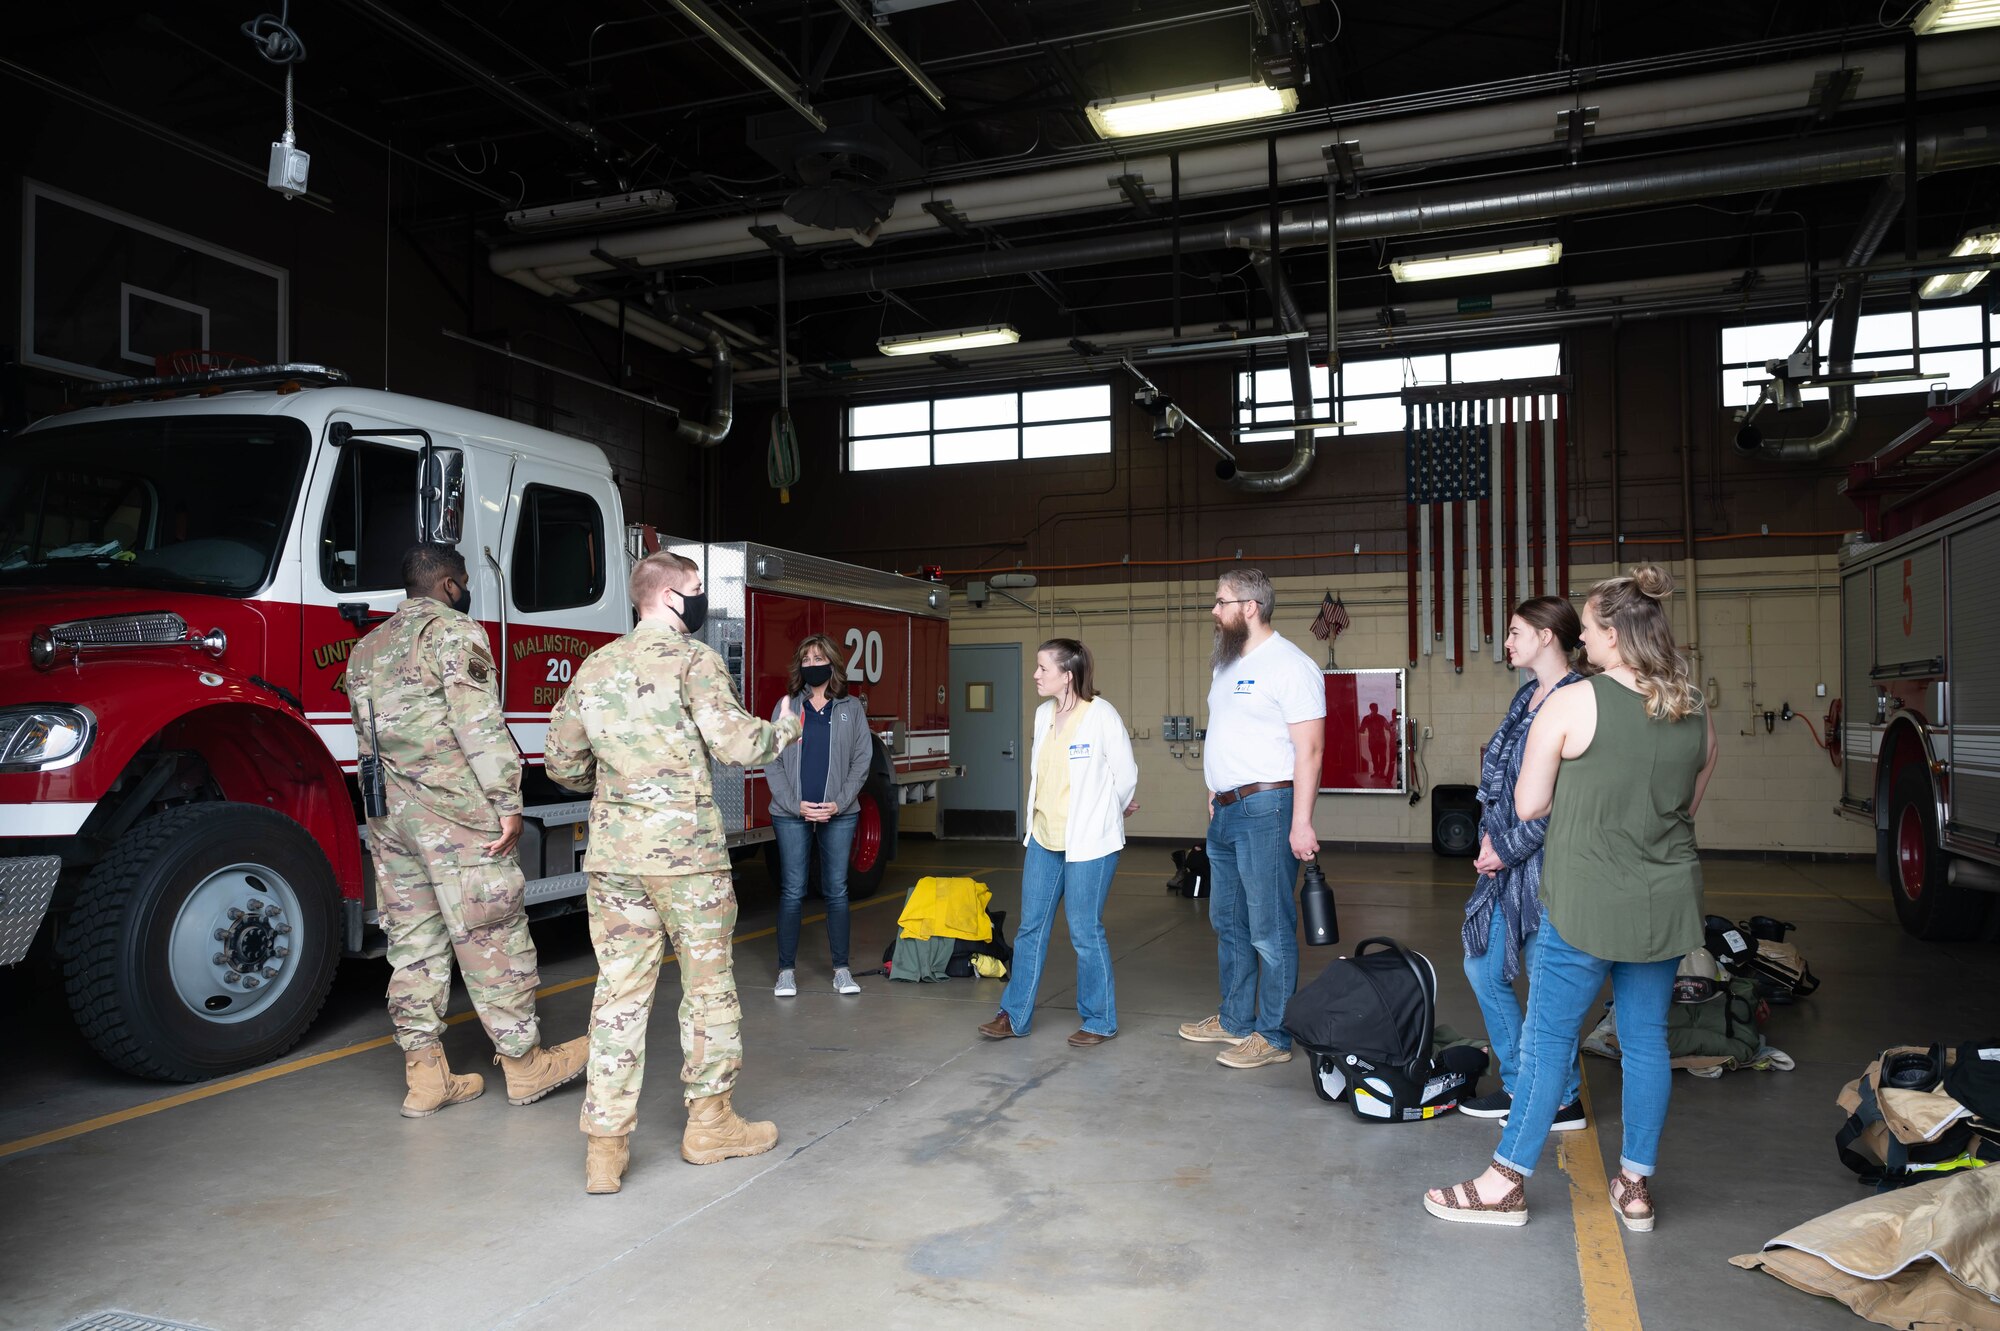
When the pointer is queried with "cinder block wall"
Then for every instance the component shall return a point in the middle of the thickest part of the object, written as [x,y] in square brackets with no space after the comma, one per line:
[1768,634]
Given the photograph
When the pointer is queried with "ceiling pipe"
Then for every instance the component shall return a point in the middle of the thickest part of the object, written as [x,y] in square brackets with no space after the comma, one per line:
[1943,145]
[1842,414]
[1298,359]
[721,400]
[487,81]
[1506,123]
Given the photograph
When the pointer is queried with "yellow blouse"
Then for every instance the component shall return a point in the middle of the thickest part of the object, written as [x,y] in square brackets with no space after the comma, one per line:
[1051,813]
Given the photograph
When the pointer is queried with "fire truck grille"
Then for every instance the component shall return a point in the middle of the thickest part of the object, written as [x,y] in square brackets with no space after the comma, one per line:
[144,630]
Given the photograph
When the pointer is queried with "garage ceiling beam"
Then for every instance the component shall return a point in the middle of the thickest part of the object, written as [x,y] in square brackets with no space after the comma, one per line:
[486,80]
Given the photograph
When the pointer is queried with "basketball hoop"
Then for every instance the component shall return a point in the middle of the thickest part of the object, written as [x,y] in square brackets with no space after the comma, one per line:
[195,360]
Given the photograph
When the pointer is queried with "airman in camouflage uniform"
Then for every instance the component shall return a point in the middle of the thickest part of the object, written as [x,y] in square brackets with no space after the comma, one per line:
[424,695]
[638,727]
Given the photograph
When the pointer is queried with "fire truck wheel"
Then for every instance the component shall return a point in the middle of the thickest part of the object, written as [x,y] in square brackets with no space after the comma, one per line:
[205,942]
[1928,906]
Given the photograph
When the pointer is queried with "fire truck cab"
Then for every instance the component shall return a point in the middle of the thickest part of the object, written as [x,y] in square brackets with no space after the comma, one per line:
[183,572]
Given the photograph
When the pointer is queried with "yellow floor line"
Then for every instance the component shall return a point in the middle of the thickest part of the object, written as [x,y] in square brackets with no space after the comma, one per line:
[1609,1303]
[237,1083]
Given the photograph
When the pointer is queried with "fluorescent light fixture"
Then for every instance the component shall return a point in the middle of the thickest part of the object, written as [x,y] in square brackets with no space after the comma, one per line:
[1432,267]
[1956,16]
[587,212]
[1188,108]
[957,339]
[1973,243]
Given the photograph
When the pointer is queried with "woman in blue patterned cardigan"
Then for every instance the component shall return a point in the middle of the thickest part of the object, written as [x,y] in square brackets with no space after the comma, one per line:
[1505,911]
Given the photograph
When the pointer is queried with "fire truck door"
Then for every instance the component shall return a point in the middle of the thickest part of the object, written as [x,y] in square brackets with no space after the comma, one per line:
[361,516]
[565,597]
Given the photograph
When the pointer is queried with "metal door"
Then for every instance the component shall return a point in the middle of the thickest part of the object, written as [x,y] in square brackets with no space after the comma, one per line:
[986,735]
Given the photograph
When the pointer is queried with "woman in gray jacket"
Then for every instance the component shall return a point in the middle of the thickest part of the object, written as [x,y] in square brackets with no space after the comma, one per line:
[815,795]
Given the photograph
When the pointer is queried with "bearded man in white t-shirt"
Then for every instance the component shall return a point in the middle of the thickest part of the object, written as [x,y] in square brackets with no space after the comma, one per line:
[1266,730]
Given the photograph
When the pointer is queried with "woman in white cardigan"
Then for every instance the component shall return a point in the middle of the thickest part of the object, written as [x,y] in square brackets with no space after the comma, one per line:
[1080,789]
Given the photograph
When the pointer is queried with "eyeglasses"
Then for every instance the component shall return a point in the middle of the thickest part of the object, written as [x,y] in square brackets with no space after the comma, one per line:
[1241,600]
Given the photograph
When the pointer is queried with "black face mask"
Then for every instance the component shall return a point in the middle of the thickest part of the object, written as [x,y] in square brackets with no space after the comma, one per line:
[463,601]
[694,610]
[814,676]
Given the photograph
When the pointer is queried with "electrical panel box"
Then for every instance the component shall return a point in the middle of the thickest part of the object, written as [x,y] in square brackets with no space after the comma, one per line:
[1177,729]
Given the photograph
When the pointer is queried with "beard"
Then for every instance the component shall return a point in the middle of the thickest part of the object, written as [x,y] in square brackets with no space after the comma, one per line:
[1230,639]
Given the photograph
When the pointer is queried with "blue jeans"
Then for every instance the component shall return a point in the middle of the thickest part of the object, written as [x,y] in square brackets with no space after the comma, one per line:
[795,847]
[1046,878]
[1502,1011]
[1562,985]
[1255,916]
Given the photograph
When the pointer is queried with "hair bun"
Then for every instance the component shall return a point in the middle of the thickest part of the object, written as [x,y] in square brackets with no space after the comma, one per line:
[1652,581]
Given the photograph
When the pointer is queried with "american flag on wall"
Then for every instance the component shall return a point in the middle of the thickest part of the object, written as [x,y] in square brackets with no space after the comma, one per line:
[1332,620]
[1486,482]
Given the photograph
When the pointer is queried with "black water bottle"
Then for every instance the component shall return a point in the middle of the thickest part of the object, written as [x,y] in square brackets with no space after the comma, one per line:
[1316,907]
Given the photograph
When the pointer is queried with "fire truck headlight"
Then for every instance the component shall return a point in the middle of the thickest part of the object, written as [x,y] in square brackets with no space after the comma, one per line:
[42,739]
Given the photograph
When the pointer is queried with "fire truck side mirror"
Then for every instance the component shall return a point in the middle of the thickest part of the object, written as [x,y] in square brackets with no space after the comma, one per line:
[441,495]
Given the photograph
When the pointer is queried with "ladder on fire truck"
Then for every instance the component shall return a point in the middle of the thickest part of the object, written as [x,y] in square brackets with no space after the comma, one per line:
[1939,464]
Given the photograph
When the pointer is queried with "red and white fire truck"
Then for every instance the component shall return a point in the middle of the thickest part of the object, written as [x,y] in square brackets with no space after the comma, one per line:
[1917,726]
[183,572]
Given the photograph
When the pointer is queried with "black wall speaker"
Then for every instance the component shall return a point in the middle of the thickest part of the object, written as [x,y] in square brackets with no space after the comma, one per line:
[1455,820]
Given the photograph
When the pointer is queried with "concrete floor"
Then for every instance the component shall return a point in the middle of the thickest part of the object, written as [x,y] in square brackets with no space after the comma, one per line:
[926,1177]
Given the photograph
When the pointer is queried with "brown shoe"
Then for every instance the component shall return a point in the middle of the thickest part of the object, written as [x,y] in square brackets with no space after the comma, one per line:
[539,1071]
[433,1085]
[1000,1028]
[1085,1039]
[1209,1030]
[1254,1052]
[604,1161]
[715,1132]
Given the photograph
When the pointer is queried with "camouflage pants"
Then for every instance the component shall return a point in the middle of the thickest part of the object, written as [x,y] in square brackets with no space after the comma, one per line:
[632,920]
[440,896]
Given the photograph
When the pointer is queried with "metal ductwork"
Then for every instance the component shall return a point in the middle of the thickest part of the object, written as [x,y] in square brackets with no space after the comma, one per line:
[1951,144]
[721,401]
[1298,360]
[1632,100]
[1842,415]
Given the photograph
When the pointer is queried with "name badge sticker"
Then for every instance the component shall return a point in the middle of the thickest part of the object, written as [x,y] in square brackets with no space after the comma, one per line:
[1077,751]
[1245,687]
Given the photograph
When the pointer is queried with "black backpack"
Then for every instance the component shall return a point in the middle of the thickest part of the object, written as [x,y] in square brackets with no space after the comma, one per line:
[1368,1023]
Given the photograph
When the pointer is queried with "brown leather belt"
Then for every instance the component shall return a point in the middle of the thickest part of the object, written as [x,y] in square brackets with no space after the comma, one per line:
[1223,797]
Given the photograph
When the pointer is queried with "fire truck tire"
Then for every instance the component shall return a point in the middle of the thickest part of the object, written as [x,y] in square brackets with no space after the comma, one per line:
[205,943]
[874,835]
[1928,906]
[868,860]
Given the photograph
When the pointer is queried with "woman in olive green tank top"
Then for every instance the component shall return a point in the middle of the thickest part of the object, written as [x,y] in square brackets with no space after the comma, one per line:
[1618,767]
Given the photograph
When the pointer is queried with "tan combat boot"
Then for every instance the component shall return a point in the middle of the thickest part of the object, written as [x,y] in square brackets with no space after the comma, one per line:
[433,1084]
[604,1161]
[715,1132]
[539,1071]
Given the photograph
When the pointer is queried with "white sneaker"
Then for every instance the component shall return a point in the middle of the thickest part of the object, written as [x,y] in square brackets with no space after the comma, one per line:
[843,983]
[787,985]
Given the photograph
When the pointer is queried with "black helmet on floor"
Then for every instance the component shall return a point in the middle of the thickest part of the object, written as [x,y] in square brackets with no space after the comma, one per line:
[1769,930]
[1726,942]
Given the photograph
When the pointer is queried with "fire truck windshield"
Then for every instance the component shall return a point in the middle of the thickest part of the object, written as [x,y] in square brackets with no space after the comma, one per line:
[181,503]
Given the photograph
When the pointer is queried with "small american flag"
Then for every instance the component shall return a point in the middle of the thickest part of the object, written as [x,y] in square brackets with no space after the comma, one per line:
[1332,620]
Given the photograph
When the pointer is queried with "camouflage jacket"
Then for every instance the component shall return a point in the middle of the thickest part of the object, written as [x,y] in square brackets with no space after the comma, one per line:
[428,671]
[638,727]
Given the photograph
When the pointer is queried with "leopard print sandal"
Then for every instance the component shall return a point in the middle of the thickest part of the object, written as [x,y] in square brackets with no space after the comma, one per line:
[1461,1204]
[1633,1202]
